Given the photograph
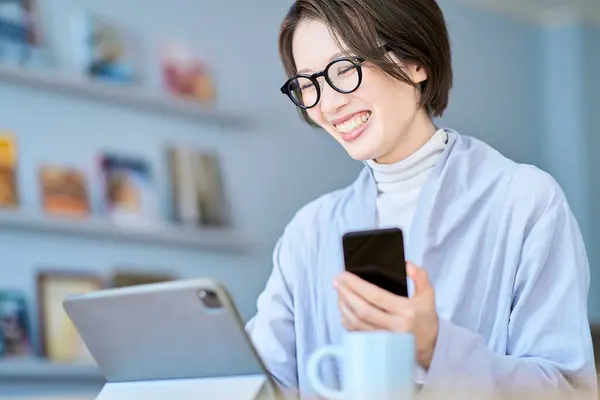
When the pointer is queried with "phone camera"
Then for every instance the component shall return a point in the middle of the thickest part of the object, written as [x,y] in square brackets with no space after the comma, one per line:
[209,299]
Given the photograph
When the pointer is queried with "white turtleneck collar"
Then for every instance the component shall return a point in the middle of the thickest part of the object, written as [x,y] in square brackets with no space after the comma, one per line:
[399,183]
[410,173]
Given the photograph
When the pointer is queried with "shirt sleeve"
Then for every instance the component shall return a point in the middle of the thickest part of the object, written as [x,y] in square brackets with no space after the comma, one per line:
[549,348]
[272,328]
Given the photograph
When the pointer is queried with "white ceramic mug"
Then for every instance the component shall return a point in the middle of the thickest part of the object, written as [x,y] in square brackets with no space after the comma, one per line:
[374,365]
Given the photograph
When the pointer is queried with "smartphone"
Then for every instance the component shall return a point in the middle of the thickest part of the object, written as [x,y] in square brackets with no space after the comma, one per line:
[378,257]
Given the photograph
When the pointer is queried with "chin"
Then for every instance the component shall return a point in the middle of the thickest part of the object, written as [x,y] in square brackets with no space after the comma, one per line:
[365,148]
[361,148]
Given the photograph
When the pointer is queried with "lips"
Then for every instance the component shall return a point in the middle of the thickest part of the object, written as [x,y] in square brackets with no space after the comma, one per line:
[354,122]
[339,121]
[352,128]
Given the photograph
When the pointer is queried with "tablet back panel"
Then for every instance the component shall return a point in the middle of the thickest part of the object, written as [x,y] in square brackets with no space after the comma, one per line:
[163,331]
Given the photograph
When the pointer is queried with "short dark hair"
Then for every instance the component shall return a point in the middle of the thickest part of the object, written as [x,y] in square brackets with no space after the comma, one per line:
[414,30]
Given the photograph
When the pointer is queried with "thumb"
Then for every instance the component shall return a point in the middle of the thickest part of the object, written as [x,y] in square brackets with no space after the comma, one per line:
[420,278]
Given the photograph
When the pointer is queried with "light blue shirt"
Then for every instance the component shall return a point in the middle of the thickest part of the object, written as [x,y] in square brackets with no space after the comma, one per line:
[504,254]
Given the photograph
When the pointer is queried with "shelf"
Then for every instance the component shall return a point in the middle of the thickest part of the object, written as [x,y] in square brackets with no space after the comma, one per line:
[114,93]
[221,239]
[42,370]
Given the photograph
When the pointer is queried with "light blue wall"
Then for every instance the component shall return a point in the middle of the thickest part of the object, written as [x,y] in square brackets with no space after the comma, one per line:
[564,129]
[591,82]
[570,86]
[496,90]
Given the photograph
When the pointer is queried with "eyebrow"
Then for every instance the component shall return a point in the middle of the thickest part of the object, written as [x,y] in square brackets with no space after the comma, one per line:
[336,55]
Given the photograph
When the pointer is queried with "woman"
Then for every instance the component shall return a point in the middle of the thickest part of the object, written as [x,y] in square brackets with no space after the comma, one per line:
[499,267]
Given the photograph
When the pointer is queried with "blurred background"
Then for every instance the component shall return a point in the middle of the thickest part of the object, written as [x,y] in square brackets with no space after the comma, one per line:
[147,141]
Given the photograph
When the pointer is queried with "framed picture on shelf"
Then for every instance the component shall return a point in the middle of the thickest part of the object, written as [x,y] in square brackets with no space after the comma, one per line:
[59,339]
[15,328]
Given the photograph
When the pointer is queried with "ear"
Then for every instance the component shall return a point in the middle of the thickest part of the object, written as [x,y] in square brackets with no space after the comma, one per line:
[417,73]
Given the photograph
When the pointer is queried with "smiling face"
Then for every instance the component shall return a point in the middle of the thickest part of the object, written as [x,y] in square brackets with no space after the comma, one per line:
[380,120]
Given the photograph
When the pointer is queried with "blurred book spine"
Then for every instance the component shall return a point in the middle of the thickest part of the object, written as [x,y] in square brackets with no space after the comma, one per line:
[186,204]
[197,187]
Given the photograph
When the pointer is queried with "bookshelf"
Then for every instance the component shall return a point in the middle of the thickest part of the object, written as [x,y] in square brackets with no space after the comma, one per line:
[126,96]
[37,370]
[166,235]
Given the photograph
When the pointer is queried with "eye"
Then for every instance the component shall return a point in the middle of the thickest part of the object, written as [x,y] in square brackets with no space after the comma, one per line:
[343,67]
[345,70]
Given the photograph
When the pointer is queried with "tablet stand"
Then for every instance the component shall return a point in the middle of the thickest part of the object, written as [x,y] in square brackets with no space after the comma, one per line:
[254,387]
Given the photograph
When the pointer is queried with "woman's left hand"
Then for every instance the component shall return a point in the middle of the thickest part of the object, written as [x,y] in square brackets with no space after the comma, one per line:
[365,306]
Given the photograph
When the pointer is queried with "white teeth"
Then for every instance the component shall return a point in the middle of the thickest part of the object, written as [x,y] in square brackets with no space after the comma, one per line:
[353,123]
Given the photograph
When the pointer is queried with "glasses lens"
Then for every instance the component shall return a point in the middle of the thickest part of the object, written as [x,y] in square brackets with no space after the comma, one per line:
[344,76]
[303,92]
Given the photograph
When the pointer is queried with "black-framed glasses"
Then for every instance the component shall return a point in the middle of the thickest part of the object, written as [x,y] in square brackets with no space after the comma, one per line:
[344,75]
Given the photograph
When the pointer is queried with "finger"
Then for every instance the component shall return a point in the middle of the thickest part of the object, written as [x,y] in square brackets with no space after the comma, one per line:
[420,278]
[351,322]
[363,311]
[373,294]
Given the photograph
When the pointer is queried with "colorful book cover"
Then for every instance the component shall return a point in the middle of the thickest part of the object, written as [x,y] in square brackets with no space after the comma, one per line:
[129,189]
[20,33]
[105,50]
[64,191]
[186,75]
[15,327]
[8,170]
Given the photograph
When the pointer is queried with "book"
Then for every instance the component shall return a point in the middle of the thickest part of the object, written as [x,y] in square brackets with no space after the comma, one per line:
[197,187]
[21,39]
[105,50]
[64,191]
[8,170]
[15,329]
[186,75]
[129,190]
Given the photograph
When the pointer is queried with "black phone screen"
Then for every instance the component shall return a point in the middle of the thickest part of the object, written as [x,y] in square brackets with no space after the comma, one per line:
[377,256]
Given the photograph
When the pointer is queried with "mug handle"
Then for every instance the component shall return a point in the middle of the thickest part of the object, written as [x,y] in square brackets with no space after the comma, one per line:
[312,371]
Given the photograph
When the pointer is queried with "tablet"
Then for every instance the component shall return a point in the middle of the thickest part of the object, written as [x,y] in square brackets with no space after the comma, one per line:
[170,330]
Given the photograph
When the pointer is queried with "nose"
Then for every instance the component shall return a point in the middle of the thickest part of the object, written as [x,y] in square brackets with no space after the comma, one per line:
[331,100]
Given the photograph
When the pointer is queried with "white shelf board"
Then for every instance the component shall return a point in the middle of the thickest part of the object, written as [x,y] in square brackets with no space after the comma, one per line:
[220,239]
[41,370]
[119,94]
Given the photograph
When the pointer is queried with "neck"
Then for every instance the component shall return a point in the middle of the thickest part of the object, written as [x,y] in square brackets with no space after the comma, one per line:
[418,133]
